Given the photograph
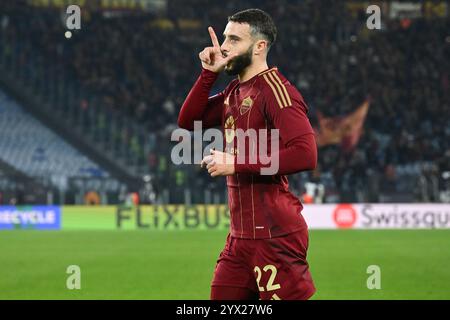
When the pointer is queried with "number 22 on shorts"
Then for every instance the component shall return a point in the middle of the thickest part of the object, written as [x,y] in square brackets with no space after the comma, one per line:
[271,286]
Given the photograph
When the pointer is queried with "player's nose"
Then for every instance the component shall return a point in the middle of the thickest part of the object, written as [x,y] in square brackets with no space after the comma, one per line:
[224,49]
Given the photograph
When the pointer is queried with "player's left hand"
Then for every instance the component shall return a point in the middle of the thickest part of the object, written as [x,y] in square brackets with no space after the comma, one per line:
[219,163]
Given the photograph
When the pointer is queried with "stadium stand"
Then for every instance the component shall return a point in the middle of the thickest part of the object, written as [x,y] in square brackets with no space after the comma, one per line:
[33,149]
[30,147]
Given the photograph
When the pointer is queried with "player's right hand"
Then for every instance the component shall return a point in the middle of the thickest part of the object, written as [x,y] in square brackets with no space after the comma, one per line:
[212,58]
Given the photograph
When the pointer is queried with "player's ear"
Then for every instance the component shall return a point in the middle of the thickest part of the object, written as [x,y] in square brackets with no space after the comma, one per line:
[260,47]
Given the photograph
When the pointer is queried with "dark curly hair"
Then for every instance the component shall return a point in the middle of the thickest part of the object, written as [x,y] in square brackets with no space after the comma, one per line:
[260,22]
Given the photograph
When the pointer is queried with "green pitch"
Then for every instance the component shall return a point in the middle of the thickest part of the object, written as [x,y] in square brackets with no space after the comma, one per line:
[179,264]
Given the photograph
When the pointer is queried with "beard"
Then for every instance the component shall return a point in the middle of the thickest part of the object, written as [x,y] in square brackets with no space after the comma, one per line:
[240,62]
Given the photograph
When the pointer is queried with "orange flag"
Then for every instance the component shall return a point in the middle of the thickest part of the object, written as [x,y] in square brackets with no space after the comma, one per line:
[344,130]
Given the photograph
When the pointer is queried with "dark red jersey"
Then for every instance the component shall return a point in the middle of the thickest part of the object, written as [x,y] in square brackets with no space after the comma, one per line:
[261,205]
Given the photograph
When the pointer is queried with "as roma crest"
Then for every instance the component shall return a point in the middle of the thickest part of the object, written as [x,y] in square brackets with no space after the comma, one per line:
[246,105]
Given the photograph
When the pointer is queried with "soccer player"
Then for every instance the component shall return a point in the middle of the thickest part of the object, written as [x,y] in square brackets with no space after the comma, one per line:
[265,252]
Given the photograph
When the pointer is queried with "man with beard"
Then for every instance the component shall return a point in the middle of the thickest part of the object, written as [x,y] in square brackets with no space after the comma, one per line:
[265,252]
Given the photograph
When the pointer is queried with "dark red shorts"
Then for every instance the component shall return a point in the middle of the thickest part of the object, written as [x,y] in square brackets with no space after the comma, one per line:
[276,268]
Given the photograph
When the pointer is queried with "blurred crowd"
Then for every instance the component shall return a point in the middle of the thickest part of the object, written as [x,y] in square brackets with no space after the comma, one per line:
[143,65]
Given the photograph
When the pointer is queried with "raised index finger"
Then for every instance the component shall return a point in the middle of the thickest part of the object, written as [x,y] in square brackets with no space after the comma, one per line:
[213,36]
